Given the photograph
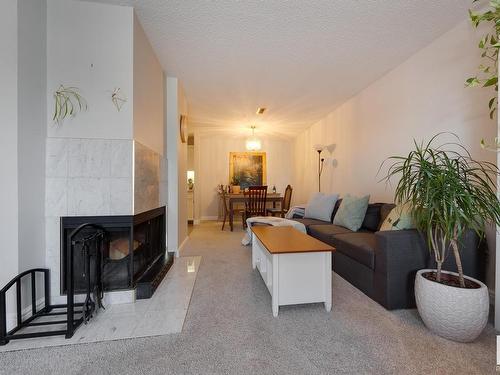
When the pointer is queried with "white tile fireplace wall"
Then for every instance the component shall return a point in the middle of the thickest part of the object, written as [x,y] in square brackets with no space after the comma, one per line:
[93,177]
[146,178]
[84,177]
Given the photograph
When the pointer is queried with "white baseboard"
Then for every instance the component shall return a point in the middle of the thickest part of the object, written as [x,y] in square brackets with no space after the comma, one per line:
[60,300]
[196,222]
[110,298]
[209,218]
[119,296]
[25,313]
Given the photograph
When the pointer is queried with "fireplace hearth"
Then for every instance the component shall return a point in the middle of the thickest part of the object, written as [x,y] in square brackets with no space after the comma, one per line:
[133,251]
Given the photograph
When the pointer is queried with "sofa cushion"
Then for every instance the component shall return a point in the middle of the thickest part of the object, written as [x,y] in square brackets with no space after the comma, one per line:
[399,218]
[311,222]
[352,212]
[336,208]
[371,221]
[359,246]
[326,233]
[321,206]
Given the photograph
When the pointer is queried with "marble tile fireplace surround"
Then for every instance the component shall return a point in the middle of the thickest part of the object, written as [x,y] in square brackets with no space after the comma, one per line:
[97,177]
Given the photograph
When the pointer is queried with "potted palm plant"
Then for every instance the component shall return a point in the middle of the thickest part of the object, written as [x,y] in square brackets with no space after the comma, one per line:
[450,193]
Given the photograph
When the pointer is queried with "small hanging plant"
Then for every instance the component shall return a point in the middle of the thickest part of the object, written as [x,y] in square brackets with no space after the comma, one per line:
[68,102]
[118,99]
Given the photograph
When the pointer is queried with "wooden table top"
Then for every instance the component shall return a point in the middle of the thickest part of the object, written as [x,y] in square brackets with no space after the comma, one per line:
[282,240]
[241,195]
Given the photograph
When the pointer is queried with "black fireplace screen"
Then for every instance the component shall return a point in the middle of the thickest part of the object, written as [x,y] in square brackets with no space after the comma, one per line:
[131,246]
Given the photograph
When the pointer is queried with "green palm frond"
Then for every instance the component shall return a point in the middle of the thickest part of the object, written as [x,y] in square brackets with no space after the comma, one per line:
[489,44]
[68,102]
[448,190]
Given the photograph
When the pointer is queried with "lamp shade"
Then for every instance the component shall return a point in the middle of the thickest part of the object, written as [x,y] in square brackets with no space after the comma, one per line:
[318,147]
[253,144]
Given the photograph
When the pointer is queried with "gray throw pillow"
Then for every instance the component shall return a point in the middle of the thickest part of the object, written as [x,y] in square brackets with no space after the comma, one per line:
[320,206]
[351,212]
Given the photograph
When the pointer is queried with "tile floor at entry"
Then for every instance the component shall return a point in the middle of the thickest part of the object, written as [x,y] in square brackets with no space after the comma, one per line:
[162,314]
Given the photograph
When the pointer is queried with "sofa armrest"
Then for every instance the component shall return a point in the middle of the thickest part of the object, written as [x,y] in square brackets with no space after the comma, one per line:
[398,257]
[473,253]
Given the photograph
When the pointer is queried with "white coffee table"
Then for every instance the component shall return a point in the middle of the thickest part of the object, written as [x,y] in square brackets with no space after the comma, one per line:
[295,267]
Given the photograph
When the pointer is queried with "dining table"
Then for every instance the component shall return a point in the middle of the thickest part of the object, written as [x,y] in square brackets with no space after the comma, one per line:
[233,199]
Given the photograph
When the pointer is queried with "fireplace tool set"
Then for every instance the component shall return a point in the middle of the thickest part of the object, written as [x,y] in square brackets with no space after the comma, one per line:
[89,239]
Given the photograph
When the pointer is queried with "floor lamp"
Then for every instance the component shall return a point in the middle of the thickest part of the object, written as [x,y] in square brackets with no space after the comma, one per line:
[319,149]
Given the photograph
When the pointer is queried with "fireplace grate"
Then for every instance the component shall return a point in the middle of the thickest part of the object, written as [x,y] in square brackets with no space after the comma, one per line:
[133,248]
[76,312]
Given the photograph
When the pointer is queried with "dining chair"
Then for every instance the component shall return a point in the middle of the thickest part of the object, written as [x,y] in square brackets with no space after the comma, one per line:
[255,203]
[226,208]
[285,204]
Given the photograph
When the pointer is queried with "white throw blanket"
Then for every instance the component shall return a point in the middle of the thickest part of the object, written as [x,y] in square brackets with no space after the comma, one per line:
[298,210]
[271,220]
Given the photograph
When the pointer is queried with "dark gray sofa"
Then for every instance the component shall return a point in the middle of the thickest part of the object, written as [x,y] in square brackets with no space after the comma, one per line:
[383,264]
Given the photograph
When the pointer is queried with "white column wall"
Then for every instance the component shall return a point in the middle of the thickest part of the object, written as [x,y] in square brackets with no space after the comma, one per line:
[176,152]
[8,140]
[32,132]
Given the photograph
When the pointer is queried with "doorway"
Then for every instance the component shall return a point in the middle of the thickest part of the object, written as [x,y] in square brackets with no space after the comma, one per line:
[190,183]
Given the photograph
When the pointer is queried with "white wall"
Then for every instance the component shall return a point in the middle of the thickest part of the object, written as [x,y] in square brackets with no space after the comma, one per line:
[182,171]
[171,142]
[196,167]
[148,93]
[176,105]
[190,158]
[32,132]
[90,158]
[148,115]
[213,150]
[22,145]
[8,140]
[421,97]
[90,46]
[146,178]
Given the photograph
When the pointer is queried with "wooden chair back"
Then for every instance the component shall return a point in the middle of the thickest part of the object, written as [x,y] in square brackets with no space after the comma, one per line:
[255,202]
[224,202]
[287,198]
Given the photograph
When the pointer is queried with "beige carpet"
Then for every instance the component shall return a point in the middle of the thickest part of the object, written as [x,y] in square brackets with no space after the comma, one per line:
[229,329]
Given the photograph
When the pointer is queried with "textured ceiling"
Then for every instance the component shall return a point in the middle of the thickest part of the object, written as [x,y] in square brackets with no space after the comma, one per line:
[300,59]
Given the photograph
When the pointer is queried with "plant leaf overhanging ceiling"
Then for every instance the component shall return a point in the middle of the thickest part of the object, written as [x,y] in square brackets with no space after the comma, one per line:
[489,44]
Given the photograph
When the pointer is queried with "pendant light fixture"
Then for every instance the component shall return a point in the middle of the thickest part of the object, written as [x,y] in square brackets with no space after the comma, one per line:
[253,143]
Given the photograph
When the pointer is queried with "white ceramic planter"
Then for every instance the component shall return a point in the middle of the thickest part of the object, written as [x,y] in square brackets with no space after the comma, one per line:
[454,313]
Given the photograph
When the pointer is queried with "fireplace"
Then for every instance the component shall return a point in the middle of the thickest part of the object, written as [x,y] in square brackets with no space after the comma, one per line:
[133,253]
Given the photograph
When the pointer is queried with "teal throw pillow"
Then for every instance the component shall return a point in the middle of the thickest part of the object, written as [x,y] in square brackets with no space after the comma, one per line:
[351,212]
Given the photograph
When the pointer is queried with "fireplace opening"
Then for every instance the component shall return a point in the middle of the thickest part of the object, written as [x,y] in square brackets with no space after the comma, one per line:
[133,251]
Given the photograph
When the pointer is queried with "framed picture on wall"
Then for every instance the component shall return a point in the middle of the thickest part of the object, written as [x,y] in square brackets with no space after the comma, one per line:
[183,128]
[247,168]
